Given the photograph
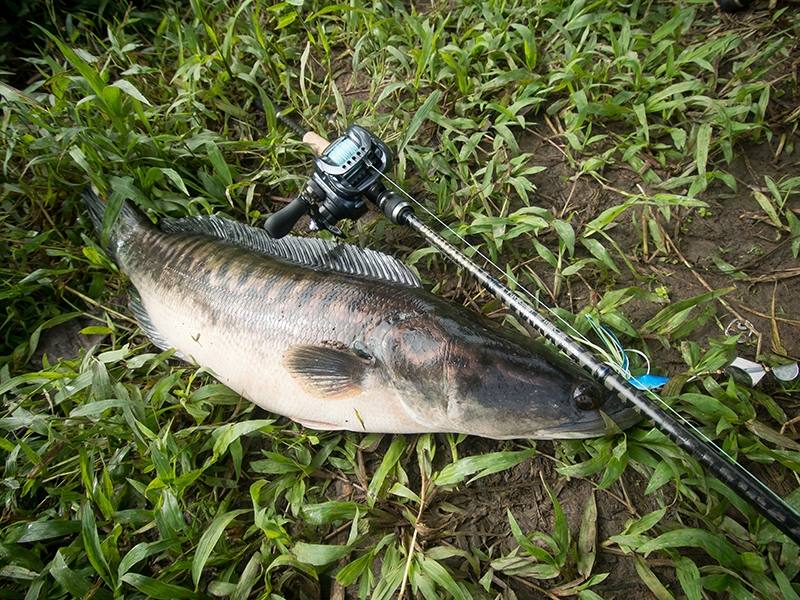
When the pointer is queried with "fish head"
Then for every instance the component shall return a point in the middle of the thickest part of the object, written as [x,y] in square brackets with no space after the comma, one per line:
[468,375]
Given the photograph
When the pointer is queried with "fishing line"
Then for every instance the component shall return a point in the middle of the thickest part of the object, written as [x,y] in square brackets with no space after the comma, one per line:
[541,304]
[567,325]
[577,334]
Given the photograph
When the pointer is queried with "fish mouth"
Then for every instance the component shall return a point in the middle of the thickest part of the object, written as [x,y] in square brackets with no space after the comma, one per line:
[610,418]
[622,418]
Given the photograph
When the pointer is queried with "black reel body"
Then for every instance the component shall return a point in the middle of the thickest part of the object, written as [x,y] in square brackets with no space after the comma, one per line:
[345,169]
[345,175]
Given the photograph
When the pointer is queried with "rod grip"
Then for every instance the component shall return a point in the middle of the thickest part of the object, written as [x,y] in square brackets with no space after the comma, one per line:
[316,142]
[280,223]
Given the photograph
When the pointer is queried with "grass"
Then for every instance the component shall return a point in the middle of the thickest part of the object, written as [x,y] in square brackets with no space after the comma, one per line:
[127,474]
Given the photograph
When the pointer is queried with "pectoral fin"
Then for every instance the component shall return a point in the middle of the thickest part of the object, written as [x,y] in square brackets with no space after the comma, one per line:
[329,373]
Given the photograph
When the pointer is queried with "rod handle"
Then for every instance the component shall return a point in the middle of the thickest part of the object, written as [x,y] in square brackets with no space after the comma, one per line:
[316,142]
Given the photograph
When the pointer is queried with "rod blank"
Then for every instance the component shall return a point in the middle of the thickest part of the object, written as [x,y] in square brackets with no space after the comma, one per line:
[731,473]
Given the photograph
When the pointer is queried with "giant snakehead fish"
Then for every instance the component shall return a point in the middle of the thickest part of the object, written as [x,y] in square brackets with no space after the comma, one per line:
[338,337]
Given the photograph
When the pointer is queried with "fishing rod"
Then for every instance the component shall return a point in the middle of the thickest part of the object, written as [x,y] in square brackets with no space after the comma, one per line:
[352,171]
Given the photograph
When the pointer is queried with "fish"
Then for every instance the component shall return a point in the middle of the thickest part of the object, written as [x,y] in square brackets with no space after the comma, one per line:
[337,337]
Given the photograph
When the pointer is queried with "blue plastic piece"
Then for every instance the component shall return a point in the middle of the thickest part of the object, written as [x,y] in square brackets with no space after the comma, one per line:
[648,381]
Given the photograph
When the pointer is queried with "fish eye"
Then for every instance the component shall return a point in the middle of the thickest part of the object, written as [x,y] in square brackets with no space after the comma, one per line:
[587,396]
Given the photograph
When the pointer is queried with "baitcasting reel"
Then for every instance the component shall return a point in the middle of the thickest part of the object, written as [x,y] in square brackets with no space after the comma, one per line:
[345,175]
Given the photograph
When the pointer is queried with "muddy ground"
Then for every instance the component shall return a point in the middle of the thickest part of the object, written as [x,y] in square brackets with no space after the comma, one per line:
[485,525]
[733,228]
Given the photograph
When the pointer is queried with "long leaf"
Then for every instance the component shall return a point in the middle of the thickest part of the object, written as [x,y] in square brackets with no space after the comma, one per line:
[209,540]
[701,150]
[390,459]
[483,465]
[715,545]
[91,543]
[159,590]
[666,317]
[141,551]
[418,118]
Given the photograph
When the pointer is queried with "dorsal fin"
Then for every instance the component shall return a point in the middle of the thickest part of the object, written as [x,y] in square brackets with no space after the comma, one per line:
[310,252]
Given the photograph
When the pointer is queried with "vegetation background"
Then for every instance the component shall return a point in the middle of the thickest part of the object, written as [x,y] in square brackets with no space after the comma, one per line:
[635,162]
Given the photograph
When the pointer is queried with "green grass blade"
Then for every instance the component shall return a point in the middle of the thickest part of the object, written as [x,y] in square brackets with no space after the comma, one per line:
[209,540]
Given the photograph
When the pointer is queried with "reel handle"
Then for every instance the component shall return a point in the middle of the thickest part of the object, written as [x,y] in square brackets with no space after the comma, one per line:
[280,223]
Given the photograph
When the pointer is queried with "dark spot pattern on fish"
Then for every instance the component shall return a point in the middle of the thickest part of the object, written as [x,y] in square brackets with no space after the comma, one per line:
[245,272]
[228,262]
